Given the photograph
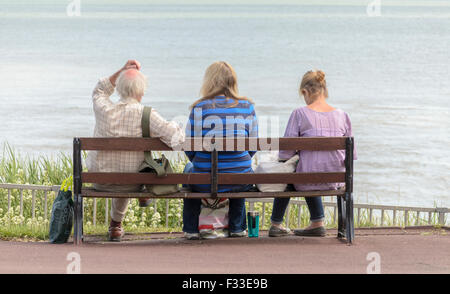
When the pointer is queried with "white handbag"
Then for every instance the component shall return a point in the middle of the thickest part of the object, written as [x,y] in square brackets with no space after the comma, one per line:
[276,167]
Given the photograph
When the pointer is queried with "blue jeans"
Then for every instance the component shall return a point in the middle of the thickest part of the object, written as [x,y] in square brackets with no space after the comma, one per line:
[192,207]
[314,205]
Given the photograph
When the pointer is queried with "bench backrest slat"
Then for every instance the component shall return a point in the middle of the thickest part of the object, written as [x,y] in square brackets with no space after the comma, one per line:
[234,144]
[205,178]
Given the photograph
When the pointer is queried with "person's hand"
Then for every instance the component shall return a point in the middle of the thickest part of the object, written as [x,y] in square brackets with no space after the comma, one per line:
[131,64]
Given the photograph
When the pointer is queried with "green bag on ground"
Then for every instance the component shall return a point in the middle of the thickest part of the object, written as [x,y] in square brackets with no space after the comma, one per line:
[62,217]
[160,166]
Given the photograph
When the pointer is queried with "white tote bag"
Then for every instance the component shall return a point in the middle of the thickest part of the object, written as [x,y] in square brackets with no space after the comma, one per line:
[213,219]
[274,166]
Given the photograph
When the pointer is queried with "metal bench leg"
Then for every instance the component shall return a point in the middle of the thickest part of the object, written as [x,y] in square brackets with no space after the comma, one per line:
[78,220]
[78,199]
[350,230]
[75,219]
[341,218]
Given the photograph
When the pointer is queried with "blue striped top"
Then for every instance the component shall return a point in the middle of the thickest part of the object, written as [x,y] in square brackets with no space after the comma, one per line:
[212,118]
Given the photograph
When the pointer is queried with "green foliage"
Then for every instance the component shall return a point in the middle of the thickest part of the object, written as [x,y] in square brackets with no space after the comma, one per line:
[41,170]
[18,221]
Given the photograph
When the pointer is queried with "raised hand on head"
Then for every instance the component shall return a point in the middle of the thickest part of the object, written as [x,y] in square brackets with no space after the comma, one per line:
[132,64]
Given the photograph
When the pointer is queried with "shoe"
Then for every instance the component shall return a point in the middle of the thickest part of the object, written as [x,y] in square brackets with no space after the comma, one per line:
[316,232]
[144,202]
[213,234]
[208,235]
[275,231]
[239,234]
[192,236]
[115,232]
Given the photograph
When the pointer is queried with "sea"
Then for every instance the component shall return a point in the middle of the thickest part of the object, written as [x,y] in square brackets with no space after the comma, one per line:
[387,64]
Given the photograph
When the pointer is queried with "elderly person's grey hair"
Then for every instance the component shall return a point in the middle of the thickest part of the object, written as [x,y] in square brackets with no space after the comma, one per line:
[131,83]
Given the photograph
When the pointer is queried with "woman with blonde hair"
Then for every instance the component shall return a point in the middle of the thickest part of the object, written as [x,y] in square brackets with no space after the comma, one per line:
[316,119]
[220,113]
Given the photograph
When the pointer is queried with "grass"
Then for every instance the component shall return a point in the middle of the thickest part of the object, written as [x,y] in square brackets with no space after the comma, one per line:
[41,170]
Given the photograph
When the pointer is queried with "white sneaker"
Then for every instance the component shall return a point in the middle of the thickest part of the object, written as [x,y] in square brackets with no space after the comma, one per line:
[239,234]
[192,236]
[209,235]
[213,234]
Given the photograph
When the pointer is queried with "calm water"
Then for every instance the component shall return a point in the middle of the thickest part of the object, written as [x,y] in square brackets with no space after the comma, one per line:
[390,73]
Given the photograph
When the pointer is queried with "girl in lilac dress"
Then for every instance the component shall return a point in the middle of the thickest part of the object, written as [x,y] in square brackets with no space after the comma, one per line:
[317,119]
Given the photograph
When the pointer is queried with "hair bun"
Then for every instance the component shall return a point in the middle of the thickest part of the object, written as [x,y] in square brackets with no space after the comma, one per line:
[320,76]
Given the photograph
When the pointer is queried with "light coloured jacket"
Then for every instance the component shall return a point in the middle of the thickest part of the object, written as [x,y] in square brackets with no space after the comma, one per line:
[123,119]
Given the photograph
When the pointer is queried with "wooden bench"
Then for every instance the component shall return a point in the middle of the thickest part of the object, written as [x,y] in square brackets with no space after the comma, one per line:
[344,196]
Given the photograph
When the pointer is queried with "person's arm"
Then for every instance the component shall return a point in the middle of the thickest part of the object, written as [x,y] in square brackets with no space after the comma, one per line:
[100,96]
[292,130]
[169,132]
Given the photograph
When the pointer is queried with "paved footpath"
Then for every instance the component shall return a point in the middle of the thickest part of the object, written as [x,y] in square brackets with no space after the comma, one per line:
[423,250]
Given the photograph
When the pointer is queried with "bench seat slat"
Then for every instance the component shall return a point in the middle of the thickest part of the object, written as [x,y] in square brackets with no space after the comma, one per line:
[235,144]
[205,178]
[89,192]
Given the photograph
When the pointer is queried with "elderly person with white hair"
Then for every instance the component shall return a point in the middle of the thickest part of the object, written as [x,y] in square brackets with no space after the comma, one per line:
[123,119]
